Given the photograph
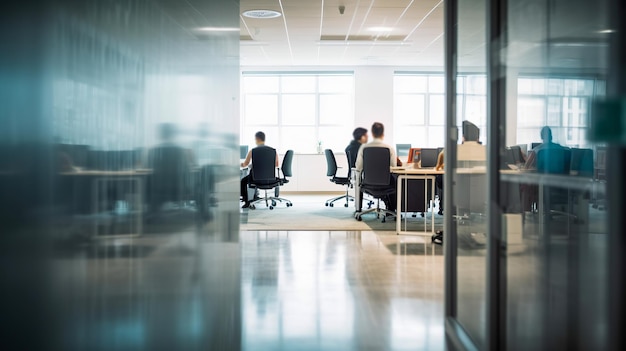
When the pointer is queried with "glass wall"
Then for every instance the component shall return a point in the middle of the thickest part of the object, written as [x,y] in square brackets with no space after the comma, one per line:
[553,215]
[469,207]
[118,175]
[298,112]
[529,229]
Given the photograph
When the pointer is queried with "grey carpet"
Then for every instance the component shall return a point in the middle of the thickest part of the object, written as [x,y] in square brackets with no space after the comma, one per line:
[309,213]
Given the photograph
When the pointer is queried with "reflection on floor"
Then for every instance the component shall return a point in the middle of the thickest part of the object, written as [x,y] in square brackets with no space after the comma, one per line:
[339,291]
[269,291]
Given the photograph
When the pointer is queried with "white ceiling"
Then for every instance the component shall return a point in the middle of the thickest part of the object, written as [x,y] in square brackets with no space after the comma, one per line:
[313,32]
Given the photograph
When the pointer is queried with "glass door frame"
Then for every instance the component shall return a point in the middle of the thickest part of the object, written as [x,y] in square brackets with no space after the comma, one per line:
[457,337]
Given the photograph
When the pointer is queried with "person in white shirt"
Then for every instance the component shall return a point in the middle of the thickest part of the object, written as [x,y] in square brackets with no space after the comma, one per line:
[378,132]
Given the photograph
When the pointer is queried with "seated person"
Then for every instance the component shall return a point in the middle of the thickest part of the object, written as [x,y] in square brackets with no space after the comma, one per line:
[546,137]
[378,132]
[360,138]
[259,139]
[171,166]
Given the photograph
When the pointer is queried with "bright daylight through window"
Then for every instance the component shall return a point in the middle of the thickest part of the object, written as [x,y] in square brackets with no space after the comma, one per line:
[298,112]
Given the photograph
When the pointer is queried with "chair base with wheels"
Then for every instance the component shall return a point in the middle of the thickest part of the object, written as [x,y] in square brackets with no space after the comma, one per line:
[330,202]
[347,196]
[270,201]
[380,212]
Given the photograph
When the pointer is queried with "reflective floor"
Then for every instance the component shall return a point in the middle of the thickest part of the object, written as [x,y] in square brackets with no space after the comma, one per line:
[340,291]
[270,291]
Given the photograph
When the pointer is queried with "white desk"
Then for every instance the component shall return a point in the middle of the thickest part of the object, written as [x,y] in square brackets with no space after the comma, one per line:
[404,174]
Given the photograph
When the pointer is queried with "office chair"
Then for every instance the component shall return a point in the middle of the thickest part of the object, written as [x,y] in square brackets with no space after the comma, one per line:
[351,164]
[171,179]
[555,161]
[285,169]
[376,179]
[331,171]
[263,175]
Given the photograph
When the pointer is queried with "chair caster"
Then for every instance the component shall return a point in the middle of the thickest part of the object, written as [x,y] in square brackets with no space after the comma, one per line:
[384,219]
[331,205]
[413,215]
[327,204]
[358,218]
[271,207]
[346,205]
[422,214]
[273,203]
[289,204]
[252,207]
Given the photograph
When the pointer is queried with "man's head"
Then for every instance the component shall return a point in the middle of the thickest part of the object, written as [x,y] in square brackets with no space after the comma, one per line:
[360,135]
[167,132]
[259,138]
[546,134]
[378,130]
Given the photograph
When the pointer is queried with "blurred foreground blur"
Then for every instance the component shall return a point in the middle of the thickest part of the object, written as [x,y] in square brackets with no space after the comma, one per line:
[119,126]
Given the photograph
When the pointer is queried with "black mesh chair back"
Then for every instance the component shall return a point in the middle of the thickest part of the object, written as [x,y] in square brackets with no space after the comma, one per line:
[331,163]
[264,166]
[376,161]
[286,166]
[170,178]
[553,160]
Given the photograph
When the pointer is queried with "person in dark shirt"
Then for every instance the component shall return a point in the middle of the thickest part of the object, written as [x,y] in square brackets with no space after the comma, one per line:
[359,137]
[546,137]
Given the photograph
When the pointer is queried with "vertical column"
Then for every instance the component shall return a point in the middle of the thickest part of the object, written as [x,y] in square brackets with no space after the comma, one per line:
[616,168]
[450,28]
[496,42]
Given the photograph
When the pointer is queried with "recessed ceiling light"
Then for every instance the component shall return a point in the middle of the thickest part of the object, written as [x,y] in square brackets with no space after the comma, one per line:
[219,29]
[261,14]
[380,29]
[606,31]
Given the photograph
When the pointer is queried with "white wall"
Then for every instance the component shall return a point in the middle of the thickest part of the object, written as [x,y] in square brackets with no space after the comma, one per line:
[373,95]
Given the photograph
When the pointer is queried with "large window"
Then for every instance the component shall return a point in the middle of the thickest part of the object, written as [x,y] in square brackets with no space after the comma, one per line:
[298,112]
[562,104]
[419,107]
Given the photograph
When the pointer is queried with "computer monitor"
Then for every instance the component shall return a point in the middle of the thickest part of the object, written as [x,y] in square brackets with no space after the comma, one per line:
[414,155]
[402,150]
[534,145]
[243,151]
[429,158]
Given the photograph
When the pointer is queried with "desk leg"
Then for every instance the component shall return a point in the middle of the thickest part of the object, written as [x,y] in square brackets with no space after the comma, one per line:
[399,195]
[432,199]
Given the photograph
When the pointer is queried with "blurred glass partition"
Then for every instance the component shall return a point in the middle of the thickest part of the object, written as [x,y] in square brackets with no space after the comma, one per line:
[554,220]
[468,170]
[118,172]
[528,229]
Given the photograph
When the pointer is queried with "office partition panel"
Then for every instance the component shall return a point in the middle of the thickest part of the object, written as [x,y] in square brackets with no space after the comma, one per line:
[119,219]
[549,273]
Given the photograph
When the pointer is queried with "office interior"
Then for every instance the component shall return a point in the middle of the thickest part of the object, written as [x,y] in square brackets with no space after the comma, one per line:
[126,125]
